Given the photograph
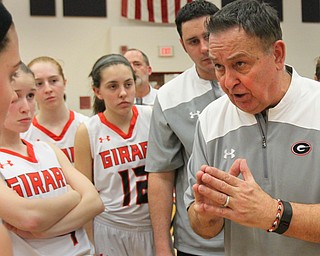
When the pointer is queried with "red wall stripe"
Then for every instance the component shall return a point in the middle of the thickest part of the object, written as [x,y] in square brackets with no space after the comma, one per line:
[151,10]
[164,11]
[177,4]
[137,12]
[124,8]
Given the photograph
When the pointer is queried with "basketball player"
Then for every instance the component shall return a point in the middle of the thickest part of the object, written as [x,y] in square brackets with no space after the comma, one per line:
[54,123]
[9,63]
[110,149]
[46,200]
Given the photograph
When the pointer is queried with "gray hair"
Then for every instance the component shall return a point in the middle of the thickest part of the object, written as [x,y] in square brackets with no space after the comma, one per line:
[257,19]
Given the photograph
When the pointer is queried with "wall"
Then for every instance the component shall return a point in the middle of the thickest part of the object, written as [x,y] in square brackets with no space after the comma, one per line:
[149,39]
[78,41]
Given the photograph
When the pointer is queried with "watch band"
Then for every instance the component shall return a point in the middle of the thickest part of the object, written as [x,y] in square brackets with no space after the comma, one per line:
[285,218]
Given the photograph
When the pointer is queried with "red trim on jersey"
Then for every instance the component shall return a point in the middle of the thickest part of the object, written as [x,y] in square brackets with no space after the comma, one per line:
[31,157]
[116,129]
[51,134]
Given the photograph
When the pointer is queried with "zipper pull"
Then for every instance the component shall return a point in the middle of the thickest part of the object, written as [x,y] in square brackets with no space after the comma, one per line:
[264,142]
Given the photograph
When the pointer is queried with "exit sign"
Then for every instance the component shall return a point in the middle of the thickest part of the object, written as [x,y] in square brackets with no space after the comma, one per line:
[165,51]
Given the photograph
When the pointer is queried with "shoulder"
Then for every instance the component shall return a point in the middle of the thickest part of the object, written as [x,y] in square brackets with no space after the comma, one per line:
[222,116]
[144,112]
[182,88]
[218,106]
[93,120]
[302,90]
[42,147]
[80,117]
[144,109]
[176,83]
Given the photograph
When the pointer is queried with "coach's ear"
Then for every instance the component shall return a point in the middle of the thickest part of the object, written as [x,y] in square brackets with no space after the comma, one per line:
[279,52]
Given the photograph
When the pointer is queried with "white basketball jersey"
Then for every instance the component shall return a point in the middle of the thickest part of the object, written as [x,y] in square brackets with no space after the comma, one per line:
[39,175]
[119,161]
[64,141]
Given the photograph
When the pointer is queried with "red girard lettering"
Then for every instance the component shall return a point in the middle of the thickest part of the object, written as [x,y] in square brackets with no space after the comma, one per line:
[124,154]
[69,152]
[37,182]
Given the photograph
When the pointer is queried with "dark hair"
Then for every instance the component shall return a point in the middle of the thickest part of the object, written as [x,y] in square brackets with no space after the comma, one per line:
[318,69]
[193,10]
[25,69]
[102,63]
[257,19]
[5,24]
[4,42]
[145,57]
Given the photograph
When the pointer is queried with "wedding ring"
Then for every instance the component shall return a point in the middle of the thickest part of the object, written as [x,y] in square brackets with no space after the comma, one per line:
[227,202]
